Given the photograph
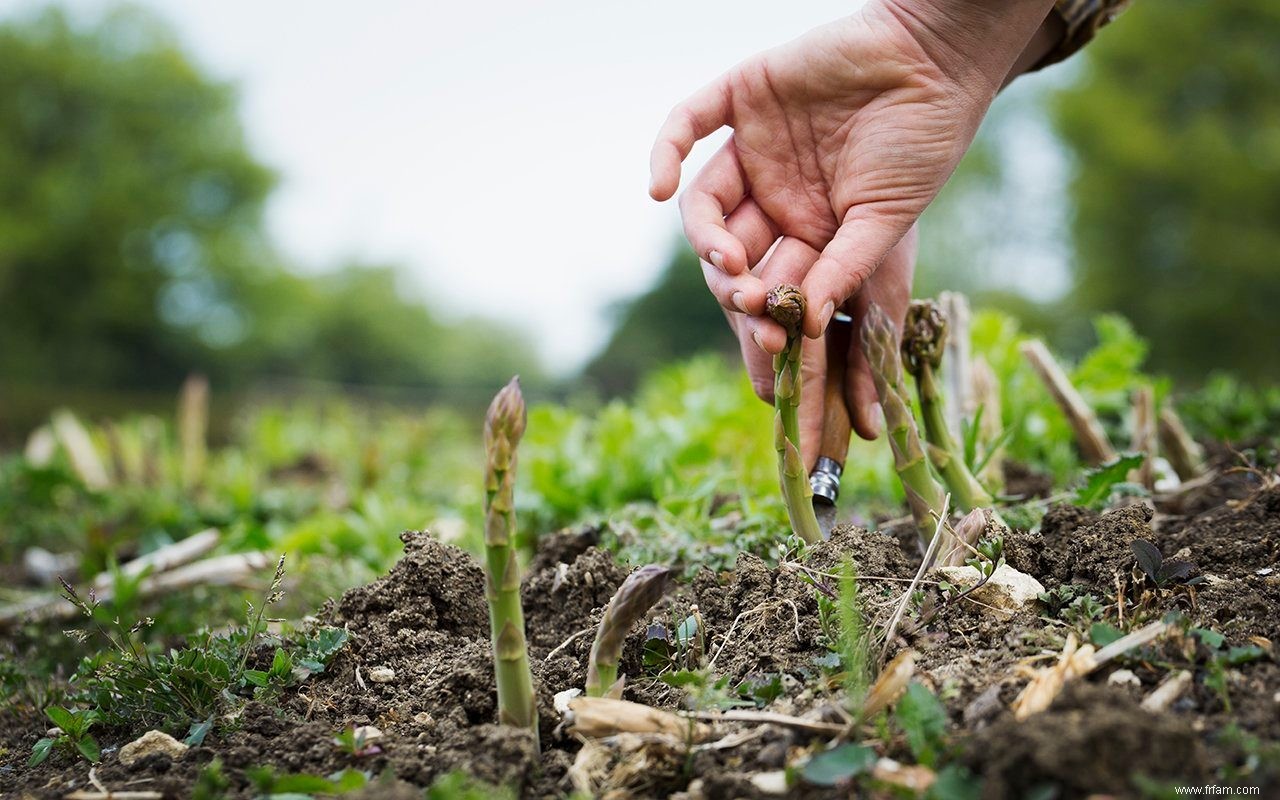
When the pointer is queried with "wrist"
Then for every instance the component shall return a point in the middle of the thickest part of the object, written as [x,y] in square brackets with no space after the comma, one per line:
[1047,38]
[972,40]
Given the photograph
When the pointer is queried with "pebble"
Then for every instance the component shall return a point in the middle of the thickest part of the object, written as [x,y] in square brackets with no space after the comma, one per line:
[1123,677]
[1007,589]
[382,674]
[150,743]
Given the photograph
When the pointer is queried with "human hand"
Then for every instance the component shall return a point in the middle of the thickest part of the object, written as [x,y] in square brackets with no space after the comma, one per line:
[889,287]
[841,138]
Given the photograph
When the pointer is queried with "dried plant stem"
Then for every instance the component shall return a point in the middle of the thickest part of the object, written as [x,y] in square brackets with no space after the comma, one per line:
[1184,454]
[1092,440]
[503,426]
[1144,436]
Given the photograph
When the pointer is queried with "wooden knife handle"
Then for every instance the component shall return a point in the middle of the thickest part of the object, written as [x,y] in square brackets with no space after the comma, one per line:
[836,426]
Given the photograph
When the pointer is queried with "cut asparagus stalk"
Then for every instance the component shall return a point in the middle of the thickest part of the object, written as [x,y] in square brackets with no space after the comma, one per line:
[924,493]
[1092,440]
[923,340]
[634,598]
[193,427]
[1144,436]
[986,388]
[503,426]
[959,376]
[785,304]
[1184,454]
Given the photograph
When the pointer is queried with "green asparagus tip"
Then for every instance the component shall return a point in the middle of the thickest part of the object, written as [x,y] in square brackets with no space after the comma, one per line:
[506,416]
[924,335]
[785,304]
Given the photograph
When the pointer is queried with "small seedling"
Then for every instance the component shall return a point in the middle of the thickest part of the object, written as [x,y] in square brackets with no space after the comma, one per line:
[1161,571]
[73,726]
[355,742]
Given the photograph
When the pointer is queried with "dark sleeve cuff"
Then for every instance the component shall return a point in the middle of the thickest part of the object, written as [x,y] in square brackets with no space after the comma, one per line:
[1083,18]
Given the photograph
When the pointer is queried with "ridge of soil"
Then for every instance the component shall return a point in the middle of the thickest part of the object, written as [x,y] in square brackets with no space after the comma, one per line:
[427,621]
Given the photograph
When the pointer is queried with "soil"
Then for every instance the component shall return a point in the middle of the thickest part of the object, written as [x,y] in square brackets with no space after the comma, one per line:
[427,621]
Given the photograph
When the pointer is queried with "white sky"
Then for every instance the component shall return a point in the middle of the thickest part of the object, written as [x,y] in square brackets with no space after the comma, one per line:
[498,151]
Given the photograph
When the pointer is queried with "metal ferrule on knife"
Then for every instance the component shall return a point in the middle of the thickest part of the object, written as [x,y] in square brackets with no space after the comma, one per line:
[825,479]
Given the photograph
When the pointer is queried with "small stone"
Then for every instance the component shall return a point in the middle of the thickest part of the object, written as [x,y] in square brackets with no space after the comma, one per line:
[367,734]
[984,707]
[150,743]
[1123,677]
[773,782]
[382,674]
[1007,589]
[423,719]
[1265,571]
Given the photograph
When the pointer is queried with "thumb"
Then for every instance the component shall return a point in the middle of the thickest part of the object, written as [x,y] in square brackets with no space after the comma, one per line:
[866,236]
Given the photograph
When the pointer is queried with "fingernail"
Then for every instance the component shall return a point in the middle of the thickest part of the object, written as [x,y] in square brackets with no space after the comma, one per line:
[827,311]
[717,258]
[740,301]
[877,419]
[755,335]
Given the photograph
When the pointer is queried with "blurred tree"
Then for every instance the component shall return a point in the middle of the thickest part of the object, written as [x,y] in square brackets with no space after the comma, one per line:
[1175,129]
[132,247]
[130,205]
[675,319]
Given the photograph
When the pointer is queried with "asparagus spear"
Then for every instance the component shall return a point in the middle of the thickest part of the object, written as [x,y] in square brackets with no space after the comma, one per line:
[923,340]
[880,343]
[503,426]
[785,304]
[634,598]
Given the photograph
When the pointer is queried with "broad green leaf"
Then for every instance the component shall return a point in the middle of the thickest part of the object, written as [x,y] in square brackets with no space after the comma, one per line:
[834,766]
[197,732]
[61,717]
[924,721]
[40,752]
[1212,639]
[88,747]
[1099,481]
[1102,634]
[954,782]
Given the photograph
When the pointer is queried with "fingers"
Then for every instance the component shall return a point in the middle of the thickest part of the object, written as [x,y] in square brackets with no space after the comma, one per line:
[695,118]
[860,389]
[786,264]
[717,190]
[754,229]
[863,241]
[742,293]
[759,364]
[890,288]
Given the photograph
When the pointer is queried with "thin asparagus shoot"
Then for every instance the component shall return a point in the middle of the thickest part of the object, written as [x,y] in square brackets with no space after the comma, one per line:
[924,339]
[880,344]
[637,594]
[504,424]
[785,305]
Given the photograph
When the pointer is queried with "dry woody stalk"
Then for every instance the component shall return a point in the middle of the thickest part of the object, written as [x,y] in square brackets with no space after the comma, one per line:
[1094,445]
